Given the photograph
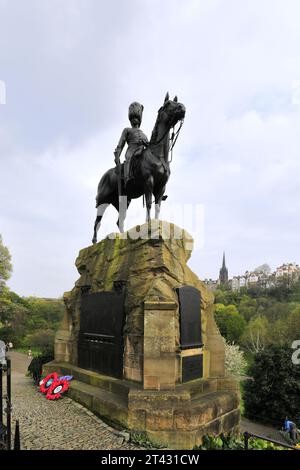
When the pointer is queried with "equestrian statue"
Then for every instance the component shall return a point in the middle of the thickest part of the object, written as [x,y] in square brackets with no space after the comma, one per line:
[146,169]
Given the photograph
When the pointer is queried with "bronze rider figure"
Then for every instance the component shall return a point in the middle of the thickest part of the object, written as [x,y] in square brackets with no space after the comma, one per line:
[134,137]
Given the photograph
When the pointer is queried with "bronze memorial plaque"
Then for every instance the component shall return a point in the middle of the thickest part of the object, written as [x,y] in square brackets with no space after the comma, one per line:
[192,367]
[190,331]
[100,345]
[190,317]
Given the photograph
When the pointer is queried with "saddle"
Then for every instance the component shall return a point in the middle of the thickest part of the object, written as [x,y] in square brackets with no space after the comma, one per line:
[133,164]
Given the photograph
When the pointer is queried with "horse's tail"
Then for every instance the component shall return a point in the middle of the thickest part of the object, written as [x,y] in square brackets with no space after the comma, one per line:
[107,188]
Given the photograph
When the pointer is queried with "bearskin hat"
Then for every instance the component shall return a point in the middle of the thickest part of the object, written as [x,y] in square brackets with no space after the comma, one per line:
[135,111]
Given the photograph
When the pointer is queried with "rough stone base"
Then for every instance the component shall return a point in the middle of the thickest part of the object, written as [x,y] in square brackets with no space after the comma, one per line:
[177,418]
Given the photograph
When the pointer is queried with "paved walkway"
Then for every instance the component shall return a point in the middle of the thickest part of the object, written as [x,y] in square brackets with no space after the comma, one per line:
[59,424]
[262,430]
[66,425]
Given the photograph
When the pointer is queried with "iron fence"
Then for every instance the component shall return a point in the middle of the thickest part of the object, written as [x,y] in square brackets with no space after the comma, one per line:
[248,435]
[6,409]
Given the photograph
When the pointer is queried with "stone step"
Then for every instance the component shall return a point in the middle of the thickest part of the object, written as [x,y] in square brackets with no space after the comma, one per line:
[212,406]
[109,384]
[208,412]
[113,408]
[199,387]
[223,400]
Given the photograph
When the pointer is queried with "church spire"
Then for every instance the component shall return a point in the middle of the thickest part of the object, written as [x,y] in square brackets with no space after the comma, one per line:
[223,277]
[223,264]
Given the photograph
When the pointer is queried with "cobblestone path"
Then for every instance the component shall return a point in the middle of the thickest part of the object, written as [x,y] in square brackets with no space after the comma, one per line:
[59,424]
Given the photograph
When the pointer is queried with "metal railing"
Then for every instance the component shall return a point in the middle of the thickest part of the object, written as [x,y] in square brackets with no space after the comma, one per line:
[5,429]
[248,435]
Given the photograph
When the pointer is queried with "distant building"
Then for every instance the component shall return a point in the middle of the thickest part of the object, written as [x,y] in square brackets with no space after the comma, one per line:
[211,284]
[223,277]
[238,282]
[287,269]
[253,279]
[287,273]
[235,283]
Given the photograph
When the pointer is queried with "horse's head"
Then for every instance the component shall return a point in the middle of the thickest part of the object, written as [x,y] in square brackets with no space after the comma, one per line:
[168,115]
[172,111]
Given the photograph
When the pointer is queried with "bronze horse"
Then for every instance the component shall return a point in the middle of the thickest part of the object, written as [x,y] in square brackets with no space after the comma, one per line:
[151,170]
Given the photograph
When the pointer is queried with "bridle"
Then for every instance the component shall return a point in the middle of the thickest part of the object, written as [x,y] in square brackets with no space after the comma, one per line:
[172,142]
[173,138]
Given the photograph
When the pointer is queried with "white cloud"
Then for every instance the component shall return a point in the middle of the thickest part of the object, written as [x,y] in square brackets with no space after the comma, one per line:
[233,65]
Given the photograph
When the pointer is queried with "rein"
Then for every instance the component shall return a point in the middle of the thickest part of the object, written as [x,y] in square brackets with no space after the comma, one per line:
[172,140]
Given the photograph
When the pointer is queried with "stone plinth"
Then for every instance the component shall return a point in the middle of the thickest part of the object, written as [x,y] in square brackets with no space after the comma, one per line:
[151,262]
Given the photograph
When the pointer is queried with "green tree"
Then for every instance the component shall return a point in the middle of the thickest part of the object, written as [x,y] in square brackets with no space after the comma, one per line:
[295,292]
[230,322]
[21,317]
[42,340]
[7,333]
[13,321]
[225,296]
[5,263]
[276,310]
[44,313]
[10,306]
[256,334]
[247,307]
[278,332]
[293,325]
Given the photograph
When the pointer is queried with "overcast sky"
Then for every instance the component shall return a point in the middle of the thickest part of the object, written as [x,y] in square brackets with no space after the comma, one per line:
[72,67]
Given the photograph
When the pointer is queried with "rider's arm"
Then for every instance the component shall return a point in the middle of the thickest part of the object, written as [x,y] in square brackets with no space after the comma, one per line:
[120,145]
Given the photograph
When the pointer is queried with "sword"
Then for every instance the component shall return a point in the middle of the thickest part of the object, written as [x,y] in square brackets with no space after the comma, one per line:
[122,209]
[118,171]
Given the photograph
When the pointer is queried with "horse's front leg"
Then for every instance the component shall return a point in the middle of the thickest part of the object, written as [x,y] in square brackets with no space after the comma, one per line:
[124,202]
[157,209]
[158,199]
[148,197]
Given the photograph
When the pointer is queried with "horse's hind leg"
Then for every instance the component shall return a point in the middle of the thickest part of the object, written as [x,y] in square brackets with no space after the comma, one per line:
[100,211]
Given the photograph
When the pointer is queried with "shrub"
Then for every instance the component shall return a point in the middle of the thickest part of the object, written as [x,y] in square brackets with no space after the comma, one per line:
[235,362]
[231,442]
[274,392]
[230,323]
